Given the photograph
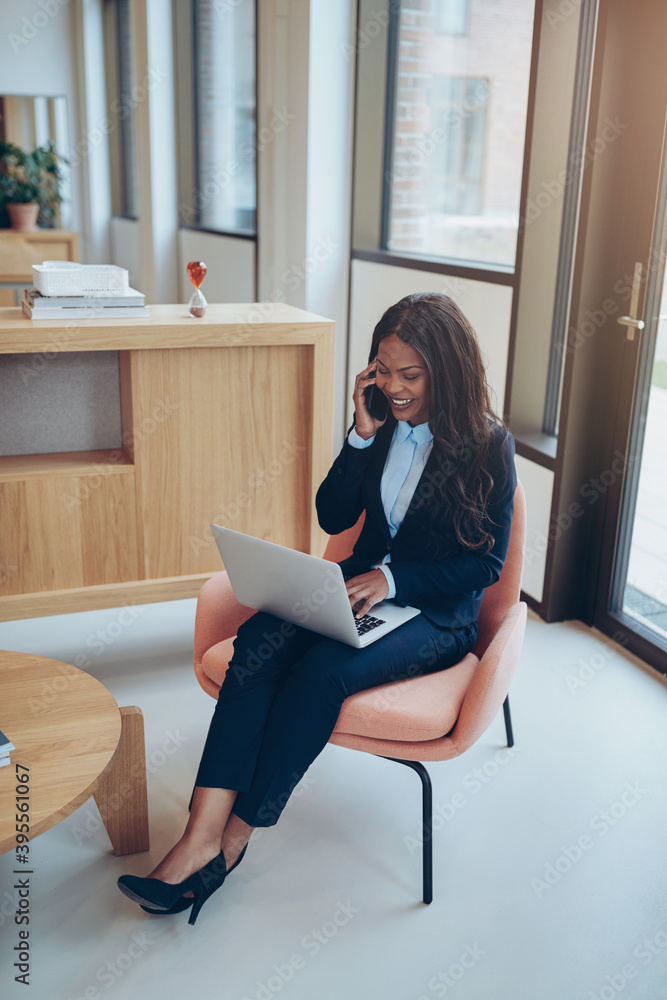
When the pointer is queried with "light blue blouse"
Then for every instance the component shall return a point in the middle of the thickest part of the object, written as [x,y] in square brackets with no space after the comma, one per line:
[406,459]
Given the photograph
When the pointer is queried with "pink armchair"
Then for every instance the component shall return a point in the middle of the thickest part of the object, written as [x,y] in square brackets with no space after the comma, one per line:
[433,717]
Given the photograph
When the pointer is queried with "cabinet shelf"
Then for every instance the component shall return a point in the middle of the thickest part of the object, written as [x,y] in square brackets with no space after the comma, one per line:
[78,463]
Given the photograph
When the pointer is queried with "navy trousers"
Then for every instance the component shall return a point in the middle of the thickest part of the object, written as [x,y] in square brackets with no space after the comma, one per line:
[282,694]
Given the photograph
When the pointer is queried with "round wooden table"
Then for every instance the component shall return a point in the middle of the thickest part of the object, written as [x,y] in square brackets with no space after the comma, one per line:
[72,741]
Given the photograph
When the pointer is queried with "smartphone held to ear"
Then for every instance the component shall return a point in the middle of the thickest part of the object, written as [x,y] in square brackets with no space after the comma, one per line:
[376,402]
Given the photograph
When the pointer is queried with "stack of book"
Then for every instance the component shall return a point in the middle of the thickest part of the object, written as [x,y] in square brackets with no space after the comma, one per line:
[124,305]
[5,746]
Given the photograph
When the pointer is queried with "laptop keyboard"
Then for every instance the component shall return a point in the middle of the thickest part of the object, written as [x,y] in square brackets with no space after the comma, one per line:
[366,623]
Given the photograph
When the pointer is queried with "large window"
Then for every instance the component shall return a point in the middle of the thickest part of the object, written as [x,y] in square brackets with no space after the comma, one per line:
[457,83]
[217,124]
[121,101]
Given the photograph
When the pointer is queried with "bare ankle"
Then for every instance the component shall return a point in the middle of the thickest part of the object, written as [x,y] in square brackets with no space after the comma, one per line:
[198,840]
[232,847]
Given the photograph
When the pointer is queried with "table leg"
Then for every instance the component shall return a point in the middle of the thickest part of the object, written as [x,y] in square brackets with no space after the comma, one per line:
[121,796]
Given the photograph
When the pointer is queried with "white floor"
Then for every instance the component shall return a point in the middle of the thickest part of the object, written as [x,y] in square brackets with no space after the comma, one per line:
[550,864]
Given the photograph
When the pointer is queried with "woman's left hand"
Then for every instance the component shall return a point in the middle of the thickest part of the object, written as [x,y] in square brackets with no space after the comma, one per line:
[366,590]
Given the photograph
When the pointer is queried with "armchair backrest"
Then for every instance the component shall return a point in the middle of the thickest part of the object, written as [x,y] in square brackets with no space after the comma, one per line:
[500,596]
[340,546]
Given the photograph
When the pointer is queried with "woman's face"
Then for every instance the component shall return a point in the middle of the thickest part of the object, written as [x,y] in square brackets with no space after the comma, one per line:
[403,377]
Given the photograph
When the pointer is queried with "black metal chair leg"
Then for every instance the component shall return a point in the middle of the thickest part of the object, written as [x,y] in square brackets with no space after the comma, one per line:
[508,722]
[427,823]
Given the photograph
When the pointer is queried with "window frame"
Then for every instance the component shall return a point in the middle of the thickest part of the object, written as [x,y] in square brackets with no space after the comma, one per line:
[393,14]
[125,191]
[239,232]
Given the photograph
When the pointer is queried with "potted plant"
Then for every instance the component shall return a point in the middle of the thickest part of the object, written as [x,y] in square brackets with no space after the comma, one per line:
[30,185]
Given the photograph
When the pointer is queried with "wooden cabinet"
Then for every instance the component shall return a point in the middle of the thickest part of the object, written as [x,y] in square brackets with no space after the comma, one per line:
[226,419]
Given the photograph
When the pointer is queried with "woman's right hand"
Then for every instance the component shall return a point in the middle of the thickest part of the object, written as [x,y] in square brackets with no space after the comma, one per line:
[365,424]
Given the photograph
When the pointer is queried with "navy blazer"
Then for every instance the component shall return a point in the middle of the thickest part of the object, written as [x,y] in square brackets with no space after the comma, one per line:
[437,575]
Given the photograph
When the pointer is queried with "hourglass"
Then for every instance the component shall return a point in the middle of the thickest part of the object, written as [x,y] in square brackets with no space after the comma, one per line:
[197,305]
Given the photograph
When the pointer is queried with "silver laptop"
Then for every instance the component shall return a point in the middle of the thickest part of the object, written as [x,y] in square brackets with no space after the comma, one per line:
[301,589]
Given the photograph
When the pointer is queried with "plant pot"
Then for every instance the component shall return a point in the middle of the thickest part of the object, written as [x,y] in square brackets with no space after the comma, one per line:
[24,216]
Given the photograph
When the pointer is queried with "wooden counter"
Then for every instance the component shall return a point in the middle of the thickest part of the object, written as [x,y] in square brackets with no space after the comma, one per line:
[225,419]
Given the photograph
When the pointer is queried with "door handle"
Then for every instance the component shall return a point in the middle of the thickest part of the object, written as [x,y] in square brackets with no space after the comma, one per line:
[631,321]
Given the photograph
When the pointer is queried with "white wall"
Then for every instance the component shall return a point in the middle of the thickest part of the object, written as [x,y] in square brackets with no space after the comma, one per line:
[125,247]
[230,263]
[538,486]
[305,102]
[329,192]
[155,124]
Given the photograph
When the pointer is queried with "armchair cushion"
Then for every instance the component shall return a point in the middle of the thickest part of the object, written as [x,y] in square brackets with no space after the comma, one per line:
[418,708]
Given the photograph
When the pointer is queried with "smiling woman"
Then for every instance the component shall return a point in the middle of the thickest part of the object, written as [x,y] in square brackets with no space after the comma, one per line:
[435,479]
[430,367]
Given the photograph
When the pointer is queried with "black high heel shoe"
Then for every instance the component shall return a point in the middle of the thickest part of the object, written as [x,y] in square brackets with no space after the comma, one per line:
[185,901]
[163,895]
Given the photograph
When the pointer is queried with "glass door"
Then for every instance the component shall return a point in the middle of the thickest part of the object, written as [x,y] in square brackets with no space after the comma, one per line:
[633,582]
[642,584]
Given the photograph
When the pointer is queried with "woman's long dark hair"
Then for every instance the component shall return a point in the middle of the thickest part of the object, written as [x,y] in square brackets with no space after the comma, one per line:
[460,412]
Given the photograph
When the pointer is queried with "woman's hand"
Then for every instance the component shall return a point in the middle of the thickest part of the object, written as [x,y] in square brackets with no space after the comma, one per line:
[366,590]
[365,424]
